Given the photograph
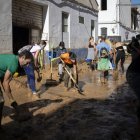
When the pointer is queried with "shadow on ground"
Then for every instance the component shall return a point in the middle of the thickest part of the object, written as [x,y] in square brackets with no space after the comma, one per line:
[83,119]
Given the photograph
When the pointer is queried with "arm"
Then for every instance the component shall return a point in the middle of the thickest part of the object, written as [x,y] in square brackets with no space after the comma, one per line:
[96,53]
[6,85]
[36,58]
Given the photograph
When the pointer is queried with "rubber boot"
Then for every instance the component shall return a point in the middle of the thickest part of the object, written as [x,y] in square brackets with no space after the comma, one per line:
[60,78]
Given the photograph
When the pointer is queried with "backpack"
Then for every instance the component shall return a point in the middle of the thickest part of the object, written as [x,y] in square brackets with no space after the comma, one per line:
[27,48]
[104,53]
[68,57]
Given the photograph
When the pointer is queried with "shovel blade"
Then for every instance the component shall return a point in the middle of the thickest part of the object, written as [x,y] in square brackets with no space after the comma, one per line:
[80,91]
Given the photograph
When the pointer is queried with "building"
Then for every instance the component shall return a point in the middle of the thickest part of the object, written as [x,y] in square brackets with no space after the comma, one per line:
[26,21]
[115,19]
[135,16]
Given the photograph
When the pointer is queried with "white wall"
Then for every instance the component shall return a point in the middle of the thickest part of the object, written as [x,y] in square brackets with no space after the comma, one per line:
[5,26]
[108,18]
[109,15]
[125,13]
[117,17]
[78,34]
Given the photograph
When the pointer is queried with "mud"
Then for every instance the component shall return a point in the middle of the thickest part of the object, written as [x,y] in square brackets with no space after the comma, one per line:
[104,112]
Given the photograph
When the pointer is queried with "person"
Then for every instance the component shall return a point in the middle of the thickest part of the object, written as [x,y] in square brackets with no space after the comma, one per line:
[103,51]
[91,54]
[120,56]
[133,70]
[70,63]
[113,53]
[61,50]
[8,66]
[29,69]
[41,54]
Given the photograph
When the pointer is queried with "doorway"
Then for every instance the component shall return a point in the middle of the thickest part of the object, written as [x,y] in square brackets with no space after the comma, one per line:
[20,38]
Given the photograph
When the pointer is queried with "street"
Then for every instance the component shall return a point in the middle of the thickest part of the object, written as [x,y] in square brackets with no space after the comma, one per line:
[104,112]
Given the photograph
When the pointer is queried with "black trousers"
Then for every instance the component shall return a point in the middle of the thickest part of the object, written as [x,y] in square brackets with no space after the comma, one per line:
[120,56]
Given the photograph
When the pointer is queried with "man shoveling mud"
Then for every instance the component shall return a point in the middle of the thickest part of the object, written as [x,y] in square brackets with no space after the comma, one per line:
[70,66]
[8,66]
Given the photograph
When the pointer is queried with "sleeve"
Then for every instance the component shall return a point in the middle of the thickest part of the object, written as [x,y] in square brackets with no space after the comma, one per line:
[13,67]
[109,48]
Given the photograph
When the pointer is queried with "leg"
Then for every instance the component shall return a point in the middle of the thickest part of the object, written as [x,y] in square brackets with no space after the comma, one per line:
[105,76]
[66,79]
[122,62]
[60,71]
[29,70]
[102,76]
[32,80]
[117,60]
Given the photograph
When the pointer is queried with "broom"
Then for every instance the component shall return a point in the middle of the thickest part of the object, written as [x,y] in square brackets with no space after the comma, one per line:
[52,81]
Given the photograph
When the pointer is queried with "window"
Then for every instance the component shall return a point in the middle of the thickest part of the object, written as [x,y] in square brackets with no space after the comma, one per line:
[103,4]
[81,19]
[103,31]
[65,22]
[92,27]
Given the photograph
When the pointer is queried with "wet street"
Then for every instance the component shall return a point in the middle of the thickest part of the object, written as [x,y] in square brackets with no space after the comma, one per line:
[103,112]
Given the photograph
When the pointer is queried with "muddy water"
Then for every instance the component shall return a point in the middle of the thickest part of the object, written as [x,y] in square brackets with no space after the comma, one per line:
[104,112]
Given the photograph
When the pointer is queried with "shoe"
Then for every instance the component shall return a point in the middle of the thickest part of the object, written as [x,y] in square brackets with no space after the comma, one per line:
[60,80]
[35,96]
[73,90]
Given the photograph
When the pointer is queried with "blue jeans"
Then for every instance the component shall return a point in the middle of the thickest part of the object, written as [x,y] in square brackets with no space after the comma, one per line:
[29,70]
